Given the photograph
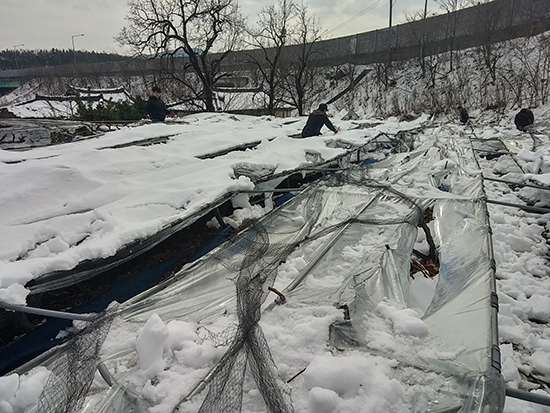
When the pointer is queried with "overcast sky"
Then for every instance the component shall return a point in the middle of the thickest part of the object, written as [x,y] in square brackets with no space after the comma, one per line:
[47,24]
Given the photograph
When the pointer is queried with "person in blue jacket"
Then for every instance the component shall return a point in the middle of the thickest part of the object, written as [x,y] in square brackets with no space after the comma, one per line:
[315,122]
[523,119]
[156,108]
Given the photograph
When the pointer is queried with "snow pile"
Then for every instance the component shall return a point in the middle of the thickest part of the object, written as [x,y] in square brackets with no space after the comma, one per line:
[339,380]
[150,344]
[329,383]
[405,321]
[244,210]
[19,394]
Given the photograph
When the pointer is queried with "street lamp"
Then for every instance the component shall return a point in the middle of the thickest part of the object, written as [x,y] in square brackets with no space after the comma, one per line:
[72,38]
[16,59]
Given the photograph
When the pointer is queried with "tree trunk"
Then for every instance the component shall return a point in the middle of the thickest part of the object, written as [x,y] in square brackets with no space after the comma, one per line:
[209,99]
[299,89]
[271,102]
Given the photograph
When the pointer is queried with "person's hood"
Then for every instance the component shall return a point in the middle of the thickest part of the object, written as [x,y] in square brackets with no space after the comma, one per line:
[318,112]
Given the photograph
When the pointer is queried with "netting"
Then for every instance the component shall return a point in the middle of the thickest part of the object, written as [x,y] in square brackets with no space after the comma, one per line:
[257,267]
[255,256]
[376,208]
[73,371]
[336,211]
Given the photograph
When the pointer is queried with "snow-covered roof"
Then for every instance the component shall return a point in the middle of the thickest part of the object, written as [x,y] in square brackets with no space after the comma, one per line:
[98,195]
[416,344]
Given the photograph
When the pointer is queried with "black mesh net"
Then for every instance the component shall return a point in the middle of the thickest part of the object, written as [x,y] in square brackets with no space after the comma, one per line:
[73,371]
[257,267]
[254,256]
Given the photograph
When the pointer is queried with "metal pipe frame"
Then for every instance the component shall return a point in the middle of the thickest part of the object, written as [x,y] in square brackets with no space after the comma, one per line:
[47,313]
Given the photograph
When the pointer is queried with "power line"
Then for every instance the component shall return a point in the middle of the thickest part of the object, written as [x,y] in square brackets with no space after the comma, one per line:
[356,16]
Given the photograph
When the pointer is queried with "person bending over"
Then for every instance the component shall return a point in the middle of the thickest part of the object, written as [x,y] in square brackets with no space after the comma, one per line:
[315,122]
[523,119]
[464,117]
[156,108]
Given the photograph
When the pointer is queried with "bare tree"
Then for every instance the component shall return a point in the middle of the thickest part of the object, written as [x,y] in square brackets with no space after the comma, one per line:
[422,30]
[196,27]
[347,73]
[418,28]
[488,19]
[451,6]
[300,74]
[269,37]
[529,79]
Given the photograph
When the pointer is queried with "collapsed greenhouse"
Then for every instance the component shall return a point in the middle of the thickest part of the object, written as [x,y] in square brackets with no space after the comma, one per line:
[340,251]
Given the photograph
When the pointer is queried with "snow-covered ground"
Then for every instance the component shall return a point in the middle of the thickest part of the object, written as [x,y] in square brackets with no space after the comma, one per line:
[63,109]
[520,241]
[24,102]
[58,196]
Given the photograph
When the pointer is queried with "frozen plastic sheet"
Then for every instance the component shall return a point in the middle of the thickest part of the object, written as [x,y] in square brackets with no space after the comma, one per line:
[382,206]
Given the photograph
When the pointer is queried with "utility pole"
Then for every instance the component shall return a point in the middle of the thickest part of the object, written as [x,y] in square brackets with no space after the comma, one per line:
[391,14]
[390,26]
[390,44]
[424,35]
[16,55]
[74,51]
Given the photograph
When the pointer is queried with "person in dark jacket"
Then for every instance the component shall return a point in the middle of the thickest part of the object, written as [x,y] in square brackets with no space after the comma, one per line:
[315,122]
[156,108]
[464,117]
[523,119]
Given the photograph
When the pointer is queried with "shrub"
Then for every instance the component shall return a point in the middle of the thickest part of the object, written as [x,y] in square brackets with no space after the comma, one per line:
[111,111]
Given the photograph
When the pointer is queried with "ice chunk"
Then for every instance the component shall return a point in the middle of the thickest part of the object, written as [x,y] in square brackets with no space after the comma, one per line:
[150,344]
[406,321]
[322,400]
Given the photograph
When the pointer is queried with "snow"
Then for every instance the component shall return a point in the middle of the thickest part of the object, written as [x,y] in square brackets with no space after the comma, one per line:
[150,345]
[353,376]
[85,200]
[322,400]
[64,204]
[24,103]
[405,321]
[543,179]
[18,393]
[36,109]
[14,293]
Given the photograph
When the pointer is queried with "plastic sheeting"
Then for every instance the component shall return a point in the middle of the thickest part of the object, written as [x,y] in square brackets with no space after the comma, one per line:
[261,174]
[382,204]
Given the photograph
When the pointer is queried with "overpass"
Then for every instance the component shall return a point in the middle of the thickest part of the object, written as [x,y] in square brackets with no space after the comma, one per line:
[9,84]
[483,24]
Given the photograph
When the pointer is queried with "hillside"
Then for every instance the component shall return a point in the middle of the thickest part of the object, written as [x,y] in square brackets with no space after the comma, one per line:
[22,59]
